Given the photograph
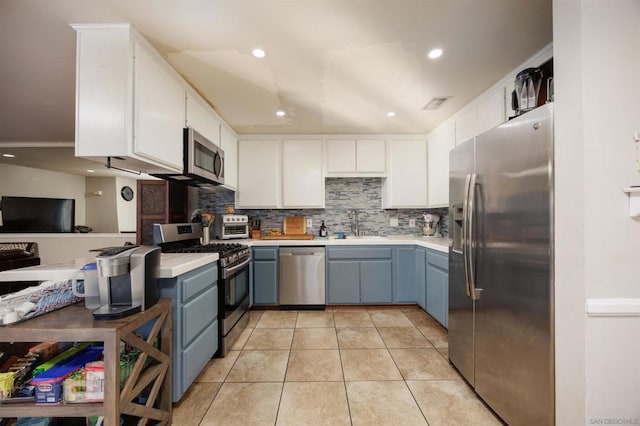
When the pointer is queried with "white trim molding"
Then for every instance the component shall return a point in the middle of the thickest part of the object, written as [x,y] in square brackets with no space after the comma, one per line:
[621,307]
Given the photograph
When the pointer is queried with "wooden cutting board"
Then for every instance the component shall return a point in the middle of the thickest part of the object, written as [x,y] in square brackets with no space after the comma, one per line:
[294,225]
[288,237]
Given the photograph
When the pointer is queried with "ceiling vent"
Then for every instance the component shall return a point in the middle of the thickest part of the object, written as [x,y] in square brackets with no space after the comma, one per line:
[436,103]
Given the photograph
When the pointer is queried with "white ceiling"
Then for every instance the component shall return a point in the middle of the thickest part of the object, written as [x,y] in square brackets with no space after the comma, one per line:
[335,66]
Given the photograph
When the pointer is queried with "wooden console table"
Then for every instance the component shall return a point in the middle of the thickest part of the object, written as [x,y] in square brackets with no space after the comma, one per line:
[75,323]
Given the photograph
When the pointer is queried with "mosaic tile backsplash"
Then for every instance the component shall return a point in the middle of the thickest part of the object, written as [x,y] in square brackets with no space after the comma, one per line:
[341,196]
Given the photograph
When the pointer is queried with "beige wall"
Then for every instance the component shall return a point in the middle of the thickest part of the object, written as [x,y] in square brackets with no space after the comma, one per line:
[28,182]
[101,204]
[611,114]
[569,218]
[107,211]
[126,209]
[596,47]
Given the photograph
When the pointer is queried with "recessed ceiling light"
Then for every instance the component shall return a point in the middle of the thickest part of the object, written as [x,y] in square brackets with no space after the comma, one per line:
[391,114]
[280,113]
[435,53]
[8,155]
[258,53]
[90,171]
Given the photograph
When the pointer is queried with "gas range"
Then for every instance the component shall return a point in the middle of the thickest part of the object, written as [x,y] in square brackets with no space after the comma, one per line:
[185,238]
[233,275]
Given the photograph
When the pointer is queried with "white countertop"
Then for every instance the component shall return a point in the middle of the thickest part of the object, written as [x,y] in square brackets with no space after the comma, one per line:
[171,265]
[29,236]
[434,243]
[174,264]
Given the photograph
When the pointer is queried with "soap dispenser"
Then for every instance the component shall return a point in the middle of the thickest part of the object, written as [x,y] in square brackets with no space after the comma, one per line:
[323,230]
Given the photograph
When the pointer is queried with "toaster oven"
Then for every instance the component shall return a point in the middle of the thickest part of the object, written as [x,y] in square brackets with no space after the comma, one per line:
[230,226]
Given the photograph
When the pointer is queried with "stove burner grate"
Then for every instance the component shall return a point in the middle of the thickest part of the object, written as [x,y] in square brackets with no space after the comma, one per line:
[223,249]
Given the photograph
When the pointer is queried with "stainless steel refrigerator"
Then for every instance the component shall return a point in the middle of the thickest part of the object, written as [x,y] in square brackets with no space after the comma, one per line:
[501,267]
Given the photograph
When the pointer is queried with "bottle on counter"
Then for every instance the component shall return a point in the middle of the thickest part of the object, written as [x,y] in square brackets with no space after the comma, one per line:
[323,229]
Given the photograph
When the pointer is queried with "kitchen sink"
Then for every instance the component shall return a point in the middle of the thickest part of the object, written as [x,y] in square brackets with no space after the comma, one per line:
[365,237]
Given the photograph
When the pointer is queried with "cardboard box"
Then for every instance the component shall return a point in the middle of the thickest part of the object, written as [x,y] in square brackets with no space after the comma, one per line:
[49,393]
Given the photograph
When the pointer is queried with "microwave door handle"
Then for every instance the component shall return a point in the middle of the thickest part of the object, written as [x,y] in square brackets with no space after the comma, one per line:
[465,236]
[472,244]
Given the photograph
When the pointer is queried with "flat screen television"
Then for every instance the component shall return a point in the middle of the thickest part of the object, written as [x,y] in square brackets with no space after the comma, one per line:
[30,214]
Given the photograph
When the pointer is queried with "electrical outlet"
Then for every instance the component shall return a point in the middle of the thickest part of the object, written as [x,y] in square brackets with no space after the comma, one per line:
[393,221]
[412,223]
[309,223]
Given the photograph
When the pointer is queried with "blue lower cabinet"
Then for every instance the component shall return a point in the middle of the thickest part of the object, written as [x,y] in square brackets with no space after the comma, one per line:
[195,323]
[265,275]
[265,282]
[375,281]
[196,355]
[438,286]
[421,277]
[343,281]
[404,279]
[359,275]
[197,314]
[388,274]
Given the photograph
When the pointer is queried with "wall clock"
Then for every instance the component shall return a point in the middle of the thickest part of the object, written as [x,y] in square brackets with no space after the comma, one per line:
[127,193]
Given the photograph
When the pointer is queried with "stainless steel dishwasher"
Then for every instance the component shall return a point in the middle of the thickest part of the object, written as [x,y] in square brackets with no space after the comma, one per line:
[301,278]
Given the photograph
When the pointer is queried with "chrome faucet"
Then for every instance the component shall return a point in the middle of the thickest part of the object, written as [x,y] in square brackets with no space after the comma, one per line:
[353,214]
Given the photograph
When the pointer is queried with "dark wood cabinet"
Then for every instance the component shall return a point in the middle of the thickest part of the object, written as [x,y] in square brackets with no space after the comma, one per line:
[159,201]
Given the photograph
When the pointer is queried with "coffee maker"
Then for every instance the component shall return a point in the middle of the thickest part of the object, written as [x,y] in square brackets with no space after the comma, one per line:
[127,280]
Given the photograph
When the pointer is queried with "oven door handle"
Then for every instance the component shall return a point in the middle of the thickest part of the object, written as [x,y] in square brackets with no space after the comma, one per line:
[227,272]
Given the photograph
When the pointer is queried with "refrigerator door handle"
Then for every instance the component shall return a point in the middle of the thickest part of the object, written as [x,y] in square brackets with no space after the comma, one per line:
[475,294]
[465,235]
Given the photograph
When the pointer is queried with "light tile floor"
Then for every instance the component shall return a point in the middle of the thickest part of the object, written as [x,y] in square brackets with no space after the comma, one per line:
[343,366]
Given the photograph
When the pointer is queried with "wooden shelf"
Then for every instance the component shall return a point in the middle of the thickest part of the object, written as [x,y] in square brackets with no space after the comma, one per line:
[76,324]
[29,409]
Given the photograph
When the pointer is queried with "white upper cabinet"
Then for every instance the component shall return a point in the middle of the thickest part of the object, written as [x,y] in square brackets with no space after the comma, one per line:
[259,174]
[354,158]
[486,114]
[406,183]
[491,111]
[229,144]
[104,101]
[302,177]
[129,102]
[370,156]
[466,126]
[275,173]
[202,118]
[440,142]
[158,114]
[341,156]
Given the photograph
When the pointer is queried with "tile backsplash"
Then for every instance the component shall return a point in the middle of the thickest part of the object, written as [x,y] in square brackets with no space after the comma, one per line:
[341,196]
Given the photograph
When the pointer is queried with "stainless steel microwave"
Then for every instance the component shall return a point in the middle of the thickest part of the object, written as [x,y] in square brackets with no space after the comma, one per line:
[203,161]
